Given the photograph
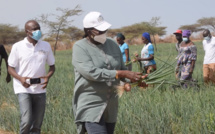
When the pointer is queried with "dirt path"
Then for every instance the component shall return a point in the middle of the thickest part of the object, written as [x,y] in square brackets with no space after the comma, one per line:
[5,132]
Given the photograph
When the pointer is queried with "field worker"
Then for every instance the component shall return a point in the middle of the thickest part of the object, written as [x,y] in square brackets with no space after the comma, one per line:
[98,67]
[147,54]
[3,55]
[178,36]
[26,64]
[187,57]
[124,49]
[209,59]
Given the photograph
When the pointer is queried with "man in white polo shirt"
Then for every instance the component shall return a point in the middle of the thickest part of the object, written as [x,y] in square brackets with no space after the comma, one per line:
[209,59]
[26,64]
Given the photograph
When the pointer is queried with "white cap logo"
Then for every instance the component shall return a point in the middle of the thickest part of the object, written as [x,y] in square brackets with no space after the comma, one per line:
[95,20]
[100,19]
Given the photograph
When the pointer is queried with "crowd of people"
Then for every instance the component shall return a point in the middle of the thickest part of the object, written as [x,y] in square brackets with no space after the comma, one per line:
[100,63]
[98,67]
[187,56]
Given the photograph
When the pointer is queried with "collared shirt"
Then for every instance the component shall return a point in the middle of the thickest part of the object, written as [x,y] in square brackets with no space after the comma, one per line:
[209,47]
[95,70]
[146,52]
[30,61]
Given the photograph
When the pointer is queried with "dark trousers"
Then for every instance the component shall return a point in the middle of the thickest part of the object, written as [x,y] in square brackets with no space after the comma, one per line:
[100,128]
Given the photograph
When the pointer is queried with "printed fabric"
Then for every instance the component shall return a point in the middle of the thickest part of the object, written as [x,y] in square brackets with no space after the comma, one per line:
[185,58]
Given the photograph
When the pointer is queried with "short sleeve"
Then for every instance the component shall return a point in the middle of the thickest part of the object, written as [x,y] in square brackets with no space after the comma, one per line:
[50,58]
[151,49]
[13,57]
[125,46]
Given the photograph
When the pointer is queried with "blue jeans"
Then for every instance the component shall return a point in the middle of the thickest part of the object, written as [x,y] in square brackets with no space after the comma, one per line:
[100,128]
[32,109]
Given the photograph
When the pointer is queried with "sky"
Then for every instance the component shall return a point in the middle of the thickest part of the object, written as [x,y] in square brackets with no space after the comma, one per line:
[172,13]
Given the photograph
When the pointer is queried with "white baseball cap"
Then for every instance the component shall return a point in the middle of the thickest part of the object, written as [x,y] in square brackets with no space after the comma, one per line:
[95,20]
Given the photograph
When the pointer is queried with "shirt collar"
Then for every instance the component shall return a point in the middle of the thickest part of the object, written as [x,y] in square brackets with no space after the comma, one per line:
[29,43]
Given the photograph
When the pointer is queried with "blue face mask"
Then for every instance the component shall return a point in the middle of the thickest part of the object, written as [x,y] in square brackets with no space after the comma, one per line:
[185,39]
[207,38]
[36,35]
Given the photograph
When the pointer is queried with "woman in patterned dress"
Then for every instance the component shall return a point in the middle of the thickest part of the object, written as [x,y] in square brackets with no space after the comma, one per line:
[187,58]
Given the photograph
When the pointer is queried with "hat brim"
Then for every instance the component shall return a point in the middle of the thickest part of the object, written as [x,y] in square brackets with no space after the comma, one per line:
[177,33]
[103,27]
[186,35]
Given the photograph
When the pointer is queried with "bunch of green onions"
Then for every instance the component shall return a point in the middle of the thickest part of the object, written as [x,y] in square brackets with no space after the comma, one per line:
[158,77]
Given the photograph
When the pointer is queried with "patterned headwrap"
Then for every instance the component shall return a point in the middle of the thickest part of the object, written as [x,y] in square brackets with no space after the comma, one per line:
[147,36]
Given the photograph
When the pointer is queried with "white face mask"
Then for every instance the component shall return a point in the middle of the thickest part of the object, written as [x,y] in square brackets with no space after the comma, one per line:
[185,39]
[100,38]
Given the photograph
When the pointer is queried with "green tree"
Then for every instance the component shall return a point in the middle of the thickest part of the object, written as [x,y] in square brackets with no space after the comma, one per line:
[136,30]
[61,22]
[73,33]
[205,22]
[191,27]
[153,28]
[208,22]
[10,34]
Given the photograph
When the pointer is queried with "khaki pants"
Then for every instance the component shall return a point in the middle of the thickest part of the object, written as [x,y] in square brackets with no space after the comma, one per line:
[209,72]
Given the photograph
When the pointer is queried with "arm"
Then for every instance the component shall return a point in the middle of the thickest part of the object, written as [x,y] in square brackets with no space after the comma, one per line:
[151,57]
[83,64]
[192,66]
[193,58]
[8,78]
[51,62]
[127,55]
[48,76]
[126,48]
[151,54]
[133,76]
[5,56]
[12,71]
[12,64]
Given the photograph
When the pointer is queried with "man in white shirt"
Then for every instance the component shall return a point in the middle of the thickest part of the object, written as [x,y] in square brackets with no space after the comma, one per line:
[209,59]
[26,64]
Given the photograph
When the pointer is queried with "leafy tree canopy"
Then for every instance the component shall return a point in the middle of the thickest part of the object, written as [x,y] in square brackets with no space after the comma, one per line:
[10,34]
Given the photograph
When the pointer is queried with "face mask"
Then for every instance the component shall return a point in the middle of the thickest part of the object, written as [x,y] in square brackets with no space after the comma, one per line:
[36,35]
[207,38]
[185,39]
[100,38]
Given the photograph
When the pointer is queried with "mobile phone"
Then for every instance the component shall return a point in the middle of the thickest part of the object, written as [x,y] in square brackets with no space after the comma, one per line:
[35,81]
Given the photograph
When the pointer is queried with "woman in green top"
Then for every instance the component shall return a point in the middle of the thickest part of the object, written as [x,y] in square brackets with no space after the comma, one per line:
[98,67]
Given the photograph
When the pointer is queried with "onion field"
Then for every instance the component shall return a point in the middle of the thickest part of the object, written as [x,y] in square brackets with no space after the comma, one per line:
[162,110]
